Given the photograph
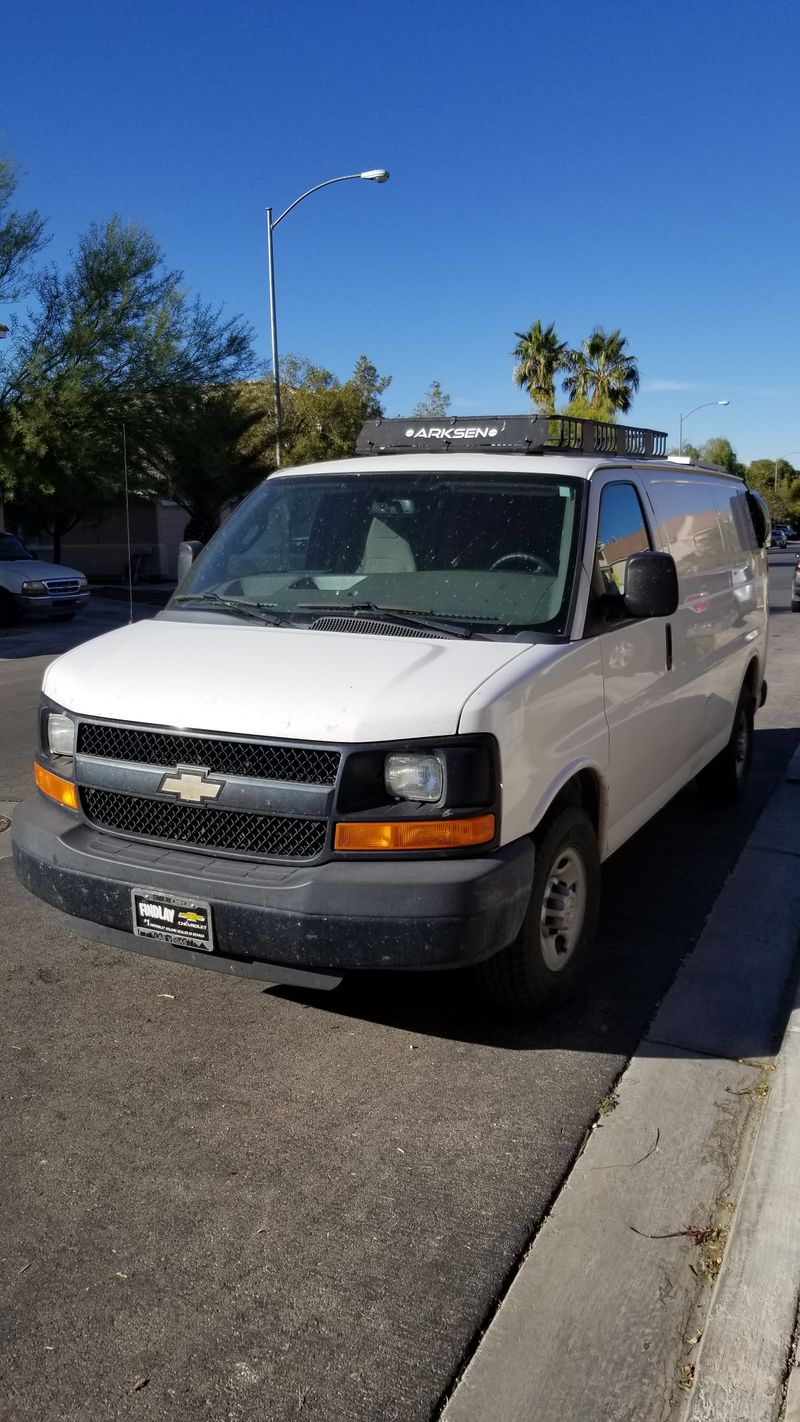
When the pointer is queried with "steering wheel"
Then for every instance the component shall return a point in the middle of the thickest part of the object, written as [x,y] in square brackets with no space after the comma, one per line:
[528,560]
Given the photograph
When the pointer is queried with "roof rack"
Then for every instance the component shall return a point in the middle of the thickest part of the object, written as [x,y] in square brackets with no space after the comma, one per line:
[510,434]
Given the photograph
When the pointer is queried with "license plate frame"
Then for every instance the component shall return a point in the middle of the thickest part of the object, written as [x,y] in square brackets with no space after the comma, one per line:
[186,922]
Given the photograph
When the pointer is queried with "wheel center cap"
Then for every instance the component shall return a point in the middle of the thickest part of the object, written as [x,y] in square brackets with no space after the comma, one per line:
[568,910]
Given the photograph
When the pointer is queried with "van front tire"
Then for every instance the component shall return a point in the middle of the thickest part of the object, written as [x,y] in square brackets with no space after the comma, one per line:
[540,967]
[723,781]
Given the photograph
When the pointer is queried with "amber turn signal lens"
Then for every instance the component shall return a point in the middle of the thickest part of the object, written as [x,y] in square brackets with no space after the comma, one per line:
[398,835]
[62,791]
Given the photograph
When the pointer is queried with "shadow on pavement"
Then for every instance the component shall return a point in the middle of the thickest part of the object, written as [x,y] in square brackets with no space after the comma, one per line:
[34,638]
[657,893]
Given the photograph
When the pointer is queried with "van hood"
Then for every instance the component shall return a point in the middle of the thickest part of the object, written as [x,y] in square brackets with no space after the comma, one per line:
[269,681]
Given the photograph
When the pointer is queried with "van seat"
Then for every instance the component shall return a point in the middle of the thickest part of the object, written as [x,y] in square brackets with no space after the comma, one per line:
[385,551]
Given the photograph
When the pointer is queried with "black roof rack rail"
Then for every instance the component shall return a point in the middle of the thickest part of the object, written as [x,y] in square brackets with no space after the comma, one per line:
[510,434]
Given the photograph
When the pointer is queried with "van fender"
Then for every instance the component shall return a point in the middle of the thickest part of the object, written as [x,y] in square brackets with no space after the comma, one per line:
[580,782]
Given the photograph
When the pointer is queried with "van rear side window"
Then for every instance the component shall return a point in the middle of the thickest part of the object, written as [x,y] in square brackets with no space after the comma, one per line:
[689,515]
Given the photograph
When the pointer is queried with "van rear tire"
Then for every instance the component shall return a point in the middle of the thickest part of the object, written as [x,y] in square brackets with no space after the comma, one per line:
[540,968]
[723,781]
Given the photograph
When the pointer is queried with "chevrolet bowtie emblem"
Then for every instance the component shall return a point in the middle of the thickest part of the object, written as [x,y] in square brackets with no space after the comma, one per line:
[190,783]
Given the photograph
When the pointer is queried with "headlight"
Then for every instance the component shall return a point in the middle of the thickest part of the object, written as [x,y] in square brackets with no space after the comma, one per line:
[60,734]
[414,777]
[35,589]
[84,583]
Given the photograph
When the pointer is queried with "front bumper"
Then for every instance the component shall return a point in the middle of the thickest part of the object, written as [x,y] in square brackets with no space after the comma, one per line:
[278,922]
[51,606]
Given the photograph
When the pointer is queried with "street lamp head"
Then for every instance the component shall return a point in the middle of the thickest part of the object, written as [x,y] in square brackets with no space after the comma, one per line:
[723,402]
[376,175]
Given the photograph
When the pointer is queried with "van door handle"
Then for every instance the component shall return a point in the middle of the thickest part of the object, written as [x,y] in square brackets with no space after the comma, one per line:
[669,646]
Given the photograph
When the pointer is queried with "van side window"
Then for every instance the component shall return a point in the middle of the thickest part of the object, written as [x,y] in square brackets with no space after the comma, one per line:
[621,532]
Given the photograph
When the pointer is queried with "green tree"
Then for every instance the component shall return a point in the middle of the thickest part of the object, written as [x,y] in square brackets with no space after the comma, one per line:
[434,403]
[114,340]
[782,495]
[22,236]
[603,376]
[720,451]
[370,386]
[322,416]
[581,407]
[540,356]
[219,442]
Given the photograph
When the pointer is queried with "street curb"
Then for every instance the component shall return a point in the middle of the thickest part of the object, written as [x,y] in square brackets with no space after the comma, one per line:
[605,1314]
[746,1354]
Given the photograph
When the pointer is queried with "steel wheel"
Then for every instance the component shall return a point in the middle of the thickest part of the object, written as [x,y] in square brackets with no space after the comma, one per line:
[742,735]
[554,944]
[724,778]
[563,910]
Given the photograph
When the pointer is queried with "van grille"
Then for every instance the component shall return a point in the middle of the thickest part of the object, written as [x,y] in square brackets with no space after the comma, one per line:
[293,764]
[235,831]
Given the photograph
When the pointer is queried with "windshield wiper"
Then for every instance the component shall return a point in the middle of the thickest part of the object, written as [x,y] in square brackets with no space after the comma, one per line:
[402,616]
[257,611]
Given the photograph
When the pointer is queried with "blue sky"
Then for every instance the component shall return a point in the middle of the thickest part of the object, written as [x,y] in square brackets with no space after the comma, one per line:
[625,163]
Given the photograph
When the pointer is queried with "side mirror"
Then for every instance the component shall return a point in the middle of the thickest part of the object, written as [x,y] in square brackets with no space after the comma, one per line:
[651,585]
[759,513]
[186,556]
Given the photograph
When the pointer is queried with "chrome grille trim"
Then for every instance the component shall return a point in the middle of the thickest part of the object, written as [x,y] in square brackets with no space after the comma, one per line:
[62,585]
[238,792]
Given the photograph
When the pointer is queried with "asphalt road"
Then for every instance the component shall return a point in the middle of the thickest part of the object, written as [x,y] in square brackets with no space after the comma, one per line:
[220,1202]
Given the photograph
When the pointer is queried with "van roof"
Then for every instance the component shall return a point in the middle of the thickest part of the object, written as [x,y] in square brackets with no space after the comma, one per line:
[555,465]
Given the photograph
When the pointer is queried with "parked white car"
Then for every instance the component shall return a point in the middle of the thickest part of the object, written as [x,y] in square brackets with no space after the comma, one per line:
[403,705]
[30,587]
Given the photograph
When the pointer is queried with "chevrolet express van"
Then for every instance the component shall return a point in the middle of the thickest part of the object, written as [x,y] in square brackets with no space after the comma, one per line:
[403,705]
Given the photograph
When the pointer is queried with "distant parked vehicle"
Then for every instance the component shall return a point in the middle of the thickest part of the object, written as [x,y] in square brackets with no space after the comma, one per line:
[787,529]
[796,587]
[777,538]
[29,587]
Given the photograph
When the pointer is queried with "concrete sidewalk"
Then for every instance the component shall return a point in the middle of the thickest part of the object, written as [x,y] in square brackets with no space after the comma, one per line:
[663,1286]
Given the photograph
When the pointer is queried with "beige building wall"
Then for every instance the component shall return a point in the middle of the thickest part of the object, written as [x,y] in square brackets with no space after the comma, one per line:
[100,549]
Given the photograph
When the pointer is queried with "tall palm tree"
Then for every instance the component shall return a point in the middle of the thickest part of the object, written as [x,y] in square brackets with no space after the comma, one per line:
[540,355]
[602,373]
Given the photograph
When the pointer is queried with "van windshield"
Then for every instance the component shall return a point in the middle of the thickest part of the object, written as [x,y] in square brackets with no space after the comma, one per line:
[494,553]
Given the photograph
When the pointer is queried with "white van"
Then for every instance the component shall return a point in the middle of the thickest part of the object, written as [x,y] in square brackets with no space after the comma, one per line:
[403,705]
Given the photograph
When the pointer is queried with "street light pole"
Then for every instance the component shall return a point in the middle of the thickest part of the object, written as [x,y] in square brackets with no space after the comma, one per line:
[273,327]
[706,406]
[373,175]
